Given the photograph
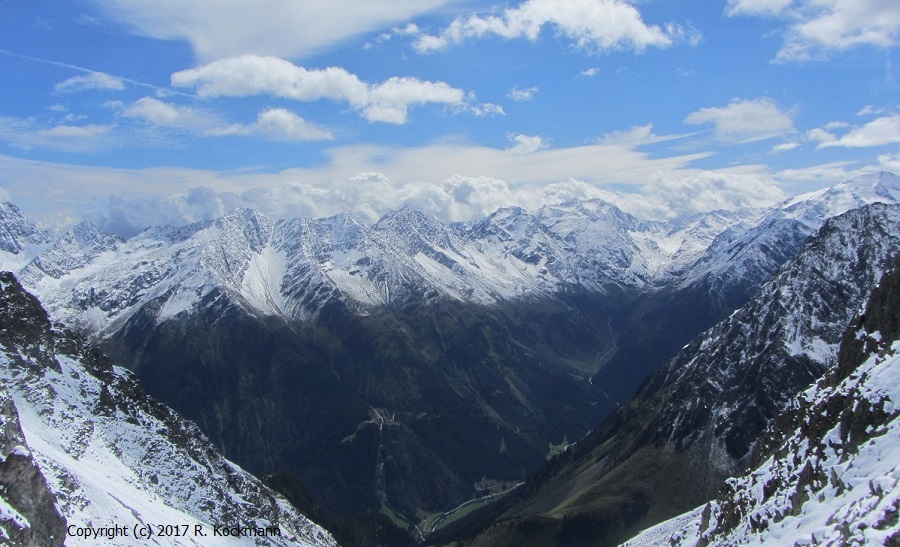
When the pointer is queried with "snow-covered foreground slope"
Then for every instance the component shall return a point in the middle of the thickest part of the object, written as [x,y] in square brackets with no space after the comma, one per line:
[114,457]
[830,473]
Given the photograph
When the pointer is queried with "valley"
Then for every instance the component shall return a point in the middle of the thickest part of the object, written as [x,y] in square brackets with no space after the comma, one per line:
[427,371]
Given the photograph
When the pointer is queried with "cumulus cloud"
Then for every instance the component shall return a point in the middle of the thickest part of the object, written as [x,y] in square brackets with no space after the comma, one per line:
[744,120]
[596,25]
[91,80]
[388,101]
[878,132]
[391,100]
[590,72]
[157,112]
[279,124]
[273,123]
[224,28]
[486,109]
[817,28]
[526,144]
[520,95]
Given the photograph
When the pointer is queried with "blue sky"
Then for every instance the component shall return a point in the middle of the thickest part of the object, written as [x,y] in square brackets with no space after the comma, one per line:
[140,112]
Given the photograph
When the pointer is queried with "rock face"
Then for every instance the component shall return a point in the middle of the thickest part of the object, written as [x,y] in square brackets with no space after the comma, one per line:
[695,422]
[29,516]
[827,471]
[111,455]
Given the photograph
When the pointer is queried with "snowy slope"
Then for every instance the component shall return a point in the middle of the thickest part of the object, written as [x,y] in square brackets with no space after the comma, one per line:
[831,469]
[112,455]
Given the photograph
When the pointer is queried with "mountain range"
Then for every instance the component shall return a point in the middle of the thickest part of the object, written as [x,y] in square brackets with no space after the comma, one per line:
[412,365]
[695,422]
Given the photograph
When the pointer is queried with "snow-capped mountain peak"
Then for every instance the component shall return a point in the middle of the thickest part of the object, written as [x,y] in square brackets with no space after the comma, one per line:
[811,208]
[21,239]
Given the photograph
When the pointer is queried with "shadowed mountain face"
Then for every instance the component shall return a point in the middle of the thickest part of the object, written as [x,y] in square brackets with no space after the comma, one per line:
[407,366]
[696,420]
[423,403]
[826,471]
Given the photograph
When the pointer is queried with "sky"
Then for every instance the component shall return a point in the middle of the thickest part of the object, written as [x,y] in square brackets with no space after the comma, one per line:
[134,113]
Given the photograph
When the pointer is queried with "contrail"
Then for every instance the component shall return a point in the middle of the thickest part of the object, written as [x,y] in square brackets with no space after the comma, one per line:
[164,90]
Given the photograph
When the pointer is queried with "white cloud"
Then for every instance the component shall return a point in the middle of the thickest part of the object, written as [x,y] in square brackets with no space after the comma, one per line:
[158,112]
[635,136]
[827,174]
[817,28]
[820,135]
[869,110]
[784,147]
[274,123]
[757,7]
[28,134]
[674,194]
[75,131]
[455,181]
[391,100]
[486,109]
[744,120]
[590,72]
[520,95]
[224,28]
[878,132]
[91,80]
[597,25]
[526,144]
[248,75]
[890,162]
[279,124]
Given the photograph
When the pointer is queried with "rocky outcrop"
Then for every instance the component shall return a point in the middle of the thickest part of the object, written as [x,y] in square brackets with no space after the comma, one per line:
[29,516]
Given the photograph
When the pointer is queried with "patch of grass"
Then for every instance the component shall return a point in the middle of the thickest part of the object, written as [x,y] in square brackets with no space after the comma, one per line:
[557,449]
